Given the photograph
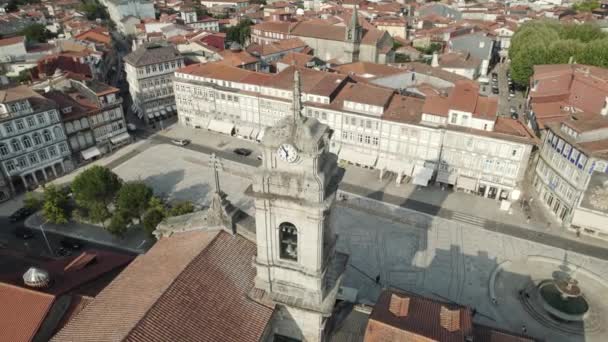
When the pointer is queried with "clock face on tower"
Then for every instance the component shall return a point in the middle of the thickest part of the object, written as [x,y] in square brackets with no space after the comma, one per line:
[288,153]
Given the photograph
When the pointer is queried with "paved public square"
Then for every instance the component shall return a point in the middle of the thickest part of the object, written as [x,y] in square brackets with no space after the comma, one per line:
[453,261]
[179,174]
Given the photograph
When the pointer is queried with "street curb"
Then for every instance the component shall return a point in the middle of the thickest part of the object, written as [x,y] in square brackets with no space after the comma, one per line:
[79,237]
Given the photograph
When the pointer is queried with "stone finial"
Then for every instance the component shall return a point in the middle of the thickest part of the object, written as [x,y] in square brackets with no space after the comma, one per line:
[297,97]
[216,164]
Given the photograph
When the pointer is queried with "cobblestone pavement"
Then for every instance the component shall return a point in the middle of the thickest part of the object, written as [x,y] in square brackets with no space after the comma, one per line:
[445,259]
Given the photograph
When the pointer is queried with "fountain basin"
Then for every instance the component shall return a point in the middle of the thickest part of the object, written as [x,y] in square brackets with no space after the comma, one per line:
[564,306]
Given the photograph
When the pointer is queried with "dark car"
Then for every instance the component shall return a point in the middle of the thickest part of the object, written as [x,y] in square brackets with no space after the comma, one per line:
[24,233]
[20,214]
[242,151]
[494,76]
[71,244]
[64,252]
[495,90]
[514,116]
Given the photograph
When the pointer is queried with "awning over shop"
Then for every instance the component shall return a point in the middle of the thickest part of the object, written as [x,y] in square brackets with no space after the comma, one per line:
[244,131]
[467,183]
[119,138]
[163,112]
[221,127]
[395,165]
[422,175]
[447,177]
[91,152]
[356,157]
[260,135]
[157,114]
[168,109]
[175,107]
[150,115]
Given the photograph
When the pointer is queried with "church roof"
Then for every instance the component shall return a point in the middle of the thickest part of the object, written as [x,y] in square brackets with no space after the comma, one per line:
[191,286]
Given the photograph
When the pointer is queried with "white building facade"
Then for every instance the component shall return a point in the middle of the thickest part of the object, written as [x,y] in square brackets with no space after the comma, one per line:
[149,73]
[389,136]
[33,146]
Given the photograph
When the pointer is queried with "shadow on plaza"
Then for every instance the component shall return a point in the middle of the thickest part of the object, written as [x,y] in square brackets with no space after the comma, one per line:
[454,277]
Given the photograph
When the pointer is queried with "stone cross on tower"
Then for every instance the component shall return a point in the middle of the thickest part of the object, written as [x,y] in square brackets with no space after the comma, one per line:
[216,164]
[297,97]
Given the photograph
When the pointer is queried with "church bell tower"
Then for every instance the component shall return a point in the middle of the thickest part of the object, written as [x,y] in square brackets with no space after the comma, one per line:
[297,265]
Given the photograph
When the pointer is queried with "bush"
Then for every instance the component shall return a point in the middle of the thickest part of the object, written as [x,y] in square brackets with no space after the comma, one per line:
[133,199]
[152,218]
[119,223]
[32,201]
[181,208]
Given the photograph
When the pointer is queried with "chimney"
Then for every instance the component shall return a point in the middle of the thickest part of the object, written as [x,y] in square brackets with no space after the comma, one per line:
[435,60]
[399,306]
[449,319]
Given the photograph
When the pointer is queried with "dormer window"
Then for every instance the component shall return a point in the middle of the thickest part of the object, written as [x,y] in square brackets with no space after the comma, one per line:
[66,110]
[454,119]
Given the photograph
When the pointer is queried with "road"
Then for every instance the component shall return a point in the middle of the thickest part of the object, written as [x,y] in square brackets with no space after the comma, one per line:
[36,245]
[499,227]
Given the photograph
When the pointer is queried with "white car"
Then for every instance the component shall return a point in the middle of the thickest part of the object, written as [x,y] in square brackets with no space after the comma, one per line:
[180,142]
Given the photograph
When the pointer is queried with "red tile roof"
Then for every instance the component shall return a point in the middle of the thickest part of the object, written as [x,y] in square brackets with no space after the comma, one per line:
[208,301]
[23,311]
[12,40]
[123,303]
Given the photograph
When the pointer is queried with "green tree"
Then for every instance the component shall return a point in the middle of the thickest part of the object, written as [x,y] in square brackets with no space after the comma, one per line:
[240,33]
[32,201]
[96,185]
[98,213]
[152,218]
[550,42]
[586,6]
[157,203]
[133,198]
[119,223]
[37,33]
[55,204]
[94,10]
[181,208]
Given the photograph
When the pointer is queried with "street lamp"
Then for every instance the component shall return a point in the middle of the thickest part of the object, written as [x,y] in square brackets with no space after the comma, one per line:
[45,239]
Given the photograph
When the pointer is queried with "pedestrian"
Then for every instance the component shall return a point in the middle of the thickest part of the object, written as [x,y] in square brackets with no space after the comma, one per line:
[473,312]
[378,279]
[524,329]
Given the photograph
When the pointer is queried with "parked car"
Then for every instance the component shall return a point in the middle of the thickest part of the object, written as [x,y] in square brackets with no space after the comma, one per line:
[71,244]
[131,127]
[180,142]
[514,116]
[242,151]
[495,90]
[20,214]
[24,233]
[64,252]
[494,76]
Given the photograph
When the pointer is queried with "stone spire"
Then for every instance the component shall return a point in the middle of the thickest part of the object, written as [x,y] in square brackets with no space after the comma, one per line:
[216,164]
[297,97]
[354,20]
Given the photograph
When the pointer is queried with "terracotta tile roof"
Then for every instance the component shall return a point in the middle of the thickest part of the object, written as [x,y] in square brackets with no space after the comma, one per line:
[313,81]
[296,58]
[208,300]
[458,60]
[16,93]
[486,108]
[276,47]
[12,40]
[424,319]
[405,109]
[464,96]
[123,303]
[23,312]
[95,35]
[369,70]
[237,58]
[216,71]
[367,94]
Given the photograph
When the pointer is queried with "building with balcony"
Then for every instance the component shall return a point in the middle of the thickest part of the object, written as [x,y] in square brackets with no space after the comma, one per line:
[93,118]
[571,176]
[150,71]
[457,140]
[33,146]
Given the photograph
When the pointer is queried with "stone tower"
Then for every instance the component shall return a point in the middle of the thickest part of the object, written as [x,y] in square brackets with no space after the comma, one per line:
[297,265]
[354,33]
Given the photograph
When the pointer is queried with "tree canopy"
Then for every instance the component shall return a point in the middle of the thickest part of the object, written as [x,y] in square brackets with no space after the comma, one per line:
[133,199]
[94,10]
[586,6]
[550,42]
[54,205]
[37,33]
[96,185]
[240,33]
